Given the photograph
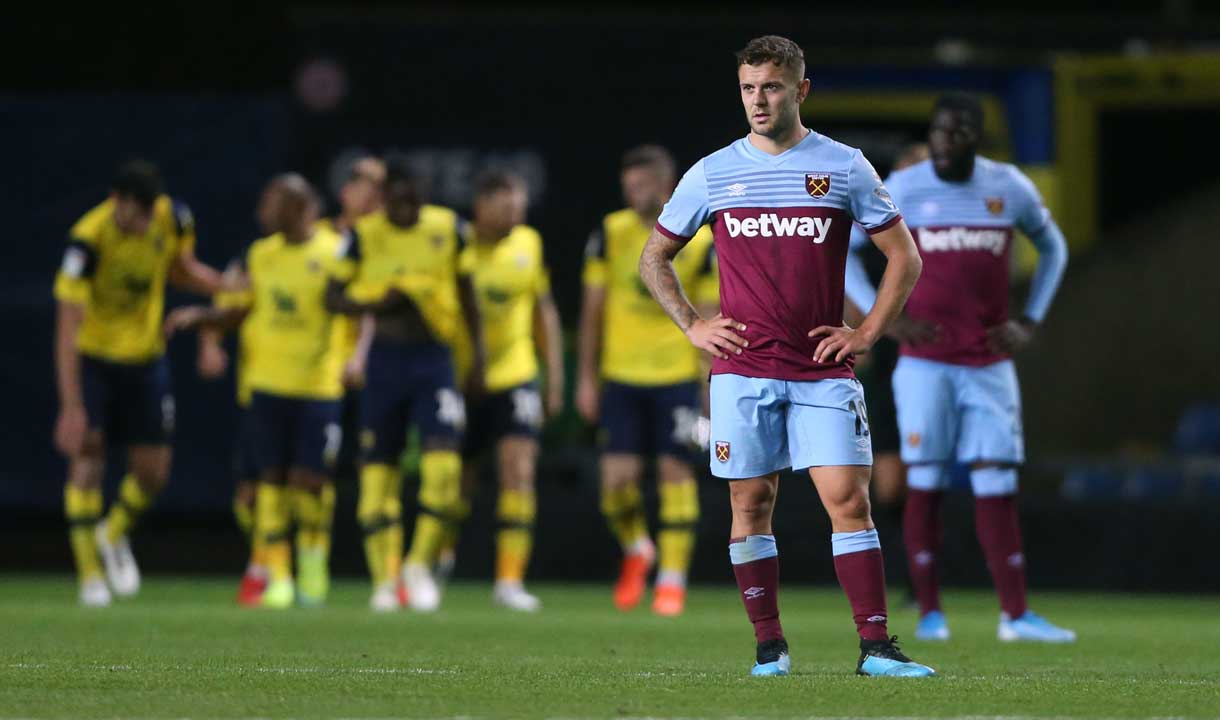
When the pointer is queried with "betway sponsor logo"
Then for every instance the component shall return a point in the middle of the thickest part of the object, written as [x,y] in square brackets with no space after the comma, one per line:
[774,225]
[991,240]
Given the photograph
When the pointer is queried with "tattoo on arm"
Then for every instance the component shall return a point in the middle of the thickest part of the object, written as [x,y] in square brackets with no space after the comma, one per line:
[657,272]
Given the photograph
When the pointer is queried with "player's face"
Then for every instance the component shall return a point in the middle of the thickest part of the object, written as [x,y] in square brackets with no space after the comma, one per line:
[268,211]
[772,97]
[361,194]
[645,189]
[402,203]
[500,211]
[131,217]
[952,141]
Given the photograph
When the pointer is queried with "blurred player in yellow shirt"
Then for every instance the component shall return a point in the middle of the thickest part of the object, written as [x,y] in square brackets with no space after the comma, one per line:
[504,260]
[359,196]
[292,366]
[405,261]
[639,379]
[113,381]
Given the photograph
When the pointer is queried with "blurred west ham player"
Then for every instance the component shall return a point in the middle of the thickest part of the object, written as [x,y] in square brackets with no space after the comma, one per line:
[955,384]
[109,357]
[781,202]
[639,379]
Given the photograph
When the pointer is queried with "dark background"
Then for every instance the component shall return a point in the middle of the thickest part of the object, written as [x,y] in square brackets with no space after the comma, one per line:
[214,93]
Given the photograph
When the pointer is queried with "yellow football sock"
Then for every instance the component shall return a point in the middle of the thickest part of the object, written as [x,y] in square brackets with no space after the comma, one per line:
[83,508]
[453,532]
[244,514]
[273,517]
[391,510]
[375,478]
[679,512]
[307,514]
[624,511]
[326,516]
[125,511]
[515,512]
[440,491]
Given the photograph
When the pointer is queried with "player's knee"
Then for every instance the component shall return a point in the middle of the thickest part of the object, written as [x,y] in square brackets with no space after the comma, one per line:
[752,500]
[151,474]
[86,472]
[993,480]
[306,478]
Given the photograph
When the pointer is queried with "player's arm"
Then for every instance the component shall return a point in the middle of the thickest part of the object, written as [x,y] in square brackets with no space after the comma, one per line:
[862,296]
[548,337]
[212,360]
[589,337]
[187,272]
[902,268]
[72,423]
[715,335]
[353,370]
[338,301]
[1052,248]
[204,318]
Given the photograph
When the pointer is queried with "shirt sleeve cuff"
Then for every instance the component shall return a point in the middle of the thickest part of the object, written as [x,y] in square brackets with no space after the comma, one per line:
[885,225]
[672,235]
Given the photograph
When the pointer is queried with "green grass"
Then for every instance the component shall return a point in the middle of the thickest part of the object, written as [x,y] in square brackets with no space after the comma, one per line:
[183,650]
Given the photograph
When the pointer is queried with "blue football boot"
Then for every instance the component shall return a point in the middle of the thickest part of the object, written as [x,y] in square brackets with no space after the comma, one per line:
[1032,627]
[932,627]
[882,658]
[772,659]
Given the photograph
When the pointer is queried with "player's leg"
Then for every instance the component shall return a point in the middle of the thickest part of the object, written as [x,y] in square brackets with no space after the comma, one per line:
[622,504]
[83,489]
[316,441]
[144,422]
[439,411]
[270,425]
[383,430]
[828,434]
[83,511]
[888,485]
[928,423]
[993,443]
[749,445]
[518,421]
[675,412]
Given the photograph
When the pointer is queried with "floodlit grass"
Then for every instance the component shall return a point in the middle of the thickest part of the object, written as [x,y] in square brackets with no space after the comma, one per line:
[184,650]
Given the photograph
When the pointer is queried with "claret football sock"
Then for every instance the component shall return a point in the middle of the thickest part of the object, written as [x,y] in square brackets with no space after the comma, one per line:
[999,533]
[756,566]
[922,534]
[861,572]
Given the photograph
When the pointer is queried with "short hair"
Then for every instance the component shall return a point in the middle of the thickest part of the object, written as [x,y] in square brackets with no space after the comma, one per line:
[773,49]
[493,180]
[398,169]
[650,156]
[139,180]
[965,103]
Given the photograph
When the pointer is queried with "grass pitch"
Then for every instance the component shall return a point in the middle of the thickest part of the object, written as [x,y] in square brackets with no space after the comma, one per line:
[184,650]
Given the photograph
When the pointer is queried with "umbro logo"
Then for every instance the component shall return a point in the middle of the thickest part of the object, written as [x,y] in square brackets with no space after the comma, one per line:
[877,619]
[753,593]
[737,190]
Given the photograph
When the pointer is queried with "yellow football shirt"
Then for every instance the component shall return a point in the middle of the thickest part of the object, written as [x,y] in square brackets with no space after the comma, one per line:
[420,261]
[290,342]
[640,344]
[508,278]
[120,279]
[348,327]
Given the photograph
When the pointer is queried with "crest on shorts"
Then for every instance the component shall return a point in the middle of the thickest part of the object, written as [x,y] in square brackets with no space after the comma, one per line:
[817,184]
[995,205]
[914,439]
[722,451]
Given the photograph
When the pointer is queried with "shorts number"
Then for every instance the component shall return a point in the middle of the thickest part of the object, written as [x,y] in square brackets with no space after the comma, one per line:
[334,439]
[167,414]
[861,418]
[450,408]
[527,408]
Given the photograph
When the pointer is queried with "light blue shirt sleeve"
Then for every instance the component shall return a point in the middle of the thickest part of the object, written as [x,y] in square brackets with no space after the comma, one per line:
[869,202]
[688,209]
[1035,221]
[858,288]
[1052,261]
